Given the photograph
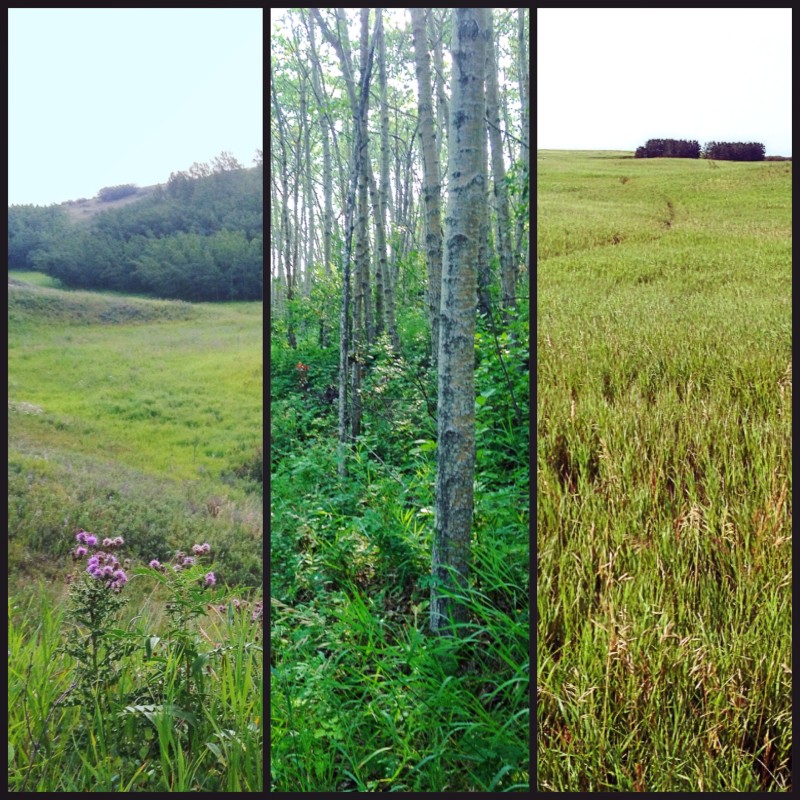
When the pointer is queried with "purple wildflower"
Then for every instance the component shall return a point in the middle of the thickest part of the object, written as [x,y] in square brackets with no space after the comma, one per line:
[90,539]
[210,579]
[81,537]
[155,564]
[80,550]
[188,561]
[119,541]
[205,547]
[197,549]
[108,542]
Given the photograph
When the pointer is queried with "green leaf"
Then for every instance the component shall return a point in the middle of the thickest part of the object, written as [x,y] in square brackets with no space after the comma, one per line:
[214,748]
[149,645]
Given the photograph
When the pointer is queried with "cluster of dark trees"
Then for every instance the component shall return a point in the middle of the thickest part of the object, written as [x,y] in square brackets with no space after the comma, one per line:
[197,239]
[683,148]
[669,148]
[734,151]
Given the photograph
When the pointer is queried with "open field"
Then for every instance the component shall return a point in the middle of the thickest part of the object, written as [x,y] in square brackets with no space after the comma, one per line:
[137,419]
[142,418]
[664,474]
[170,388]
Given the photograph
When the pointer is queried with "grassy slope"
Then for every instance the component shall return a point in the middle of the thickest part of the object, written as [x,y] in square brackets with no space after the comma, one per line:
[87,208]
[168,388]
[664,474]
[125,417]
[151,402]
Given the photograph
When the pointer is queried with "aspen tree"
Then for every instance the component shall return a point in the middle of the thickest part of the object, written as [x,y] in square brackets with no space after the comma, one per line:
[456,392]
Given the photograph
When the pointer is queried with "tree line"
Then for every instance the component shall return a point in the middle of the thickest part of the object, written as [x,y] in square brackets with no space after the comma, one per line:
[683,148]
[198,238]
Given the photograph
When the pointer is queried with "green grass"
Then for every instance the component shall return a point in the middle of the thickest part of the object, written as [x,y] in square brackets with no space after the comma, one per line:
[363,698]
[137,735]
[142,419]
[172,389]
[19,277]
[664,474]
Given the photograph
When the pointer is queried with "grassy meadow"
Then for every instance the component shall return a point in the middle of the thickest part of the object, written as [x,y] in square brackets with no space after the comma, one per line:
[664,484]
[142,419]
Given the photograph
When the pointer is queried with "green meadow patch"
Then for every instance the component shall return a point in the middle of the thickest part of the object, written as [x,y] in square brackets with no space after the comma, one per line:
[133,424]
[664,474]
[134,416]
[170,388]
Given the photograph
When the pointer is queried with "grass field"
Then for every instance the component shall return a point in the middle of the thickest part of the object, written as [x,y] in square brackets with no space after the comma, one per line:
[141,419]
[664,483]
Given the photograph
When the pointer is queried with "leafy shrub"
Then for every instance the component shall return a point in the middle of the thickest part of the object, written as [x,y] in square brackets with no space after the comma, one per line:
[109,193]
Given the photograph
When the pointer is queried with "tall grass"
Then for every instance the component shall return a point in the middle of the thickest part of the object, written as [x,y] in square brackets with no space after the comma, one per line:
[363,697]
[133,734]
[664,414]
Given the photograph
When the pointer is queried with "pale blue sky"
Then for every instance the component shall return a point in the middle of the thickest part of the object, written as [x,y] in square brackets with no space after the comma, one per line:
[611,78]
[100,97]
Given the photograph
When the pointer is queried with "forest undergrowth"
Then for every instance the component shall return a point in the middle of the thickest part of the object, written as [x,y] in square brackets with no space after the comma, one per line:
[363,698]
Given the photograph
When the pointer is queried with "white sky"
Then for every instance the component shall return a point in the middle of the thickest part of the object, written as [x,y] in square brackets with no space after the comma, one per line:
[100,97]
[611,78]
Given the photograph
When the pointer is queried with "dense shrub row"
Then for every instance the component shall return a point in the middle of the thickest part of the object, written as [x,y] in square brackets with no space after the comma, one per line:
[197,239]
[683,148]
[669,148]
[734,151]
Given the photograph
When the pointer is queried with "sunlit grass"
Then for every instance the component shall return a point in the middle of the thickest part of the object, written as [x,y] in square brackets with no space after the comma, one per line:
[171,389]
[664,474]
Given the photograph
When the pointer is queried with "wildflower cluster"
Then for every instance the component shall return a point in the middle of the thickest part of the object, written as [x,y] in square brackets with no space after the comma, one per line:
[103,566]
[94,603]
[183,561]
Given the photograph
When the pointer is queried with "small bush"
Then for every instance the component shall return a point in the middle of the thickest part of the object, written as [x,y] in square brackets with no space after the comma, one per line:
[109,193]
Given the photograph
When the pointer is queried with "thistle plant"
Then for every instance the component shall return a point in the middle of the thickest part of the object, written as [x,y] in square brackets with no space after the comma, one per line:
[190,585]
[95,598]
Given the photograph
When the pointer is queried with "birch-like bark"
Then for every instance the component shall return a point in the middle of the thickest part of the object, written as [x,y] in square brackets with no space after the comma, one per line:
[507,277]
[456,391]
[349,357]
[385,195]
[327,179]
[431,181]
[285,230]
[442,112]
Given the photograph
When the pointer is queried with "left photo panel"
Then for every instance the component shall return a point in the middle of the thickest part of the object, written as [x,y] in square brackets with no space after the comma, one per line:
[135,400]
